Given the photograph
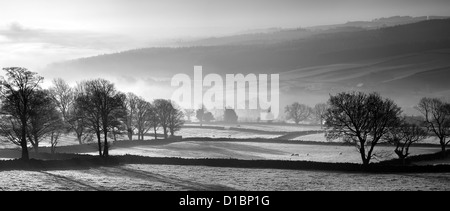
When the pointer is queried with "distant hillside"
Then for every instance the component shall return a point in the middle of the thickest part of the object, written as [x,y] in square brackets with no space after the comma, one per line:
[380,22]
[322,49]
[276,35]
[254,37]
[405,62]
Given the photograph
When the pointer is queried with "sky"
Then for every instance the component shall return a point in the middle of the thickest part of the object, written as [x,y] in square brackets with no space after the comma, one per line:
[34,33]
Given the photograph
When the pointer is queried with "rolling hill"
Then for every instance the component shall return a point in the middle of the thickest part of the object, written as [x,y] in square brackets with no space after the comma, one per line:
[404,61]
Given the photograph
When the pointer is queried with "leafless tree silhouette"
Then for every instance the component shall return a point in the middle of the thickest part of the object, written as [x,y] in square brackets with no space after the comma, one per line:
[16,91]
[361,119]
[403,135]
[437,118]
[298,112]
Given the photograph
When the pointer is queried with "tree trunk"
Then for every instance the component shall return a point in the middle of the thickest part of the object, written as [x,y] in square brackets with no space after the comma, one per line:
[23,142]
[156,135]
[165,132]
[36,148]
[443,148]
[130,134]
[366,161]
[79,137]
[105,147]
[401,155]
[403,158]
[99,143]
[114,135]
[362,151]
[34,143]
[140,135]
[52,146]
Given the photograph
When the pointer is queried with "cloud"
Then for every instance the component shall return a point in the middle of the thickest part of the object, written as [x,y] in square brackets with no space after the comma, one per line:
[34,48]
[16,33]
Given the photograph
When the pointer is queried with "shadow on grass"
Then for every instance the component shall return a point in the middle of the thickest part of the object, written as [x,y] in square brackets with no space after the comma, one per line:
[70,181]
[417,158]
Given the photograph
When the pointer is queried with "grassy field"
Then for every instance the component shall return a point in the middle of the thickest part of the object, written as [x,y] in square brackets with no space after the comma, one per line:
[201,178]
[235,148]
[225,133]
[211,130]
[308,133]
[223,143]
[320,137]
[255,150]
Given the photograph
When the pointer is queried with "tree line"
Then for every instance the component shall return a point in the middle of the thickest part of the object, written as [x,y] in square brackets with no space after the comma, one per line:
[93,109]
[366,120]
[300,112]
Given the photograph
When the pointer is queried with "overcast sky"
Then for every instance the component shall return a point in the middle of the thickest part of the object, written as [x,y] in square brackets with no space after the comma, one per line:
[161,17]
[36,32]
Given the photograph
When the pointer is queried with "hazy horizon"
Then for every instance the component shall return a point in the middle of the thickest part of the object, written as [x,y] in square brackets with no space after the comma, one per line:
[36,33]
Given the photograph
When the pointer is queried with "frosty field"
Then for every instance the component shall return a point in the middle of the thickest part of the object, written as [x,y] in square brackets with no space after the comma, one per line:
[320,137]
[260,151]
[263,146]
[214,133]
[175,178]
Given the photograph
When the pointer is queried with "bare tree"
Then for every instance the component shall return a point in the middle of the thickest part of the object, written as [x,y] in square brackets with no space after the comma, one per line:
[189,113]
[44,118]
[153,120]
[176,119]
[200,113]
[118,119]
[100,104]
[163,109]
[15,93]
[10,130]
[319,111]
[142,117]
[63,96]
[48,123]
[437,118]
[130,104]
[361,119]
[54,140]
[298,112]
[77,118]
[87,112]
[403,135]
[56,131]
